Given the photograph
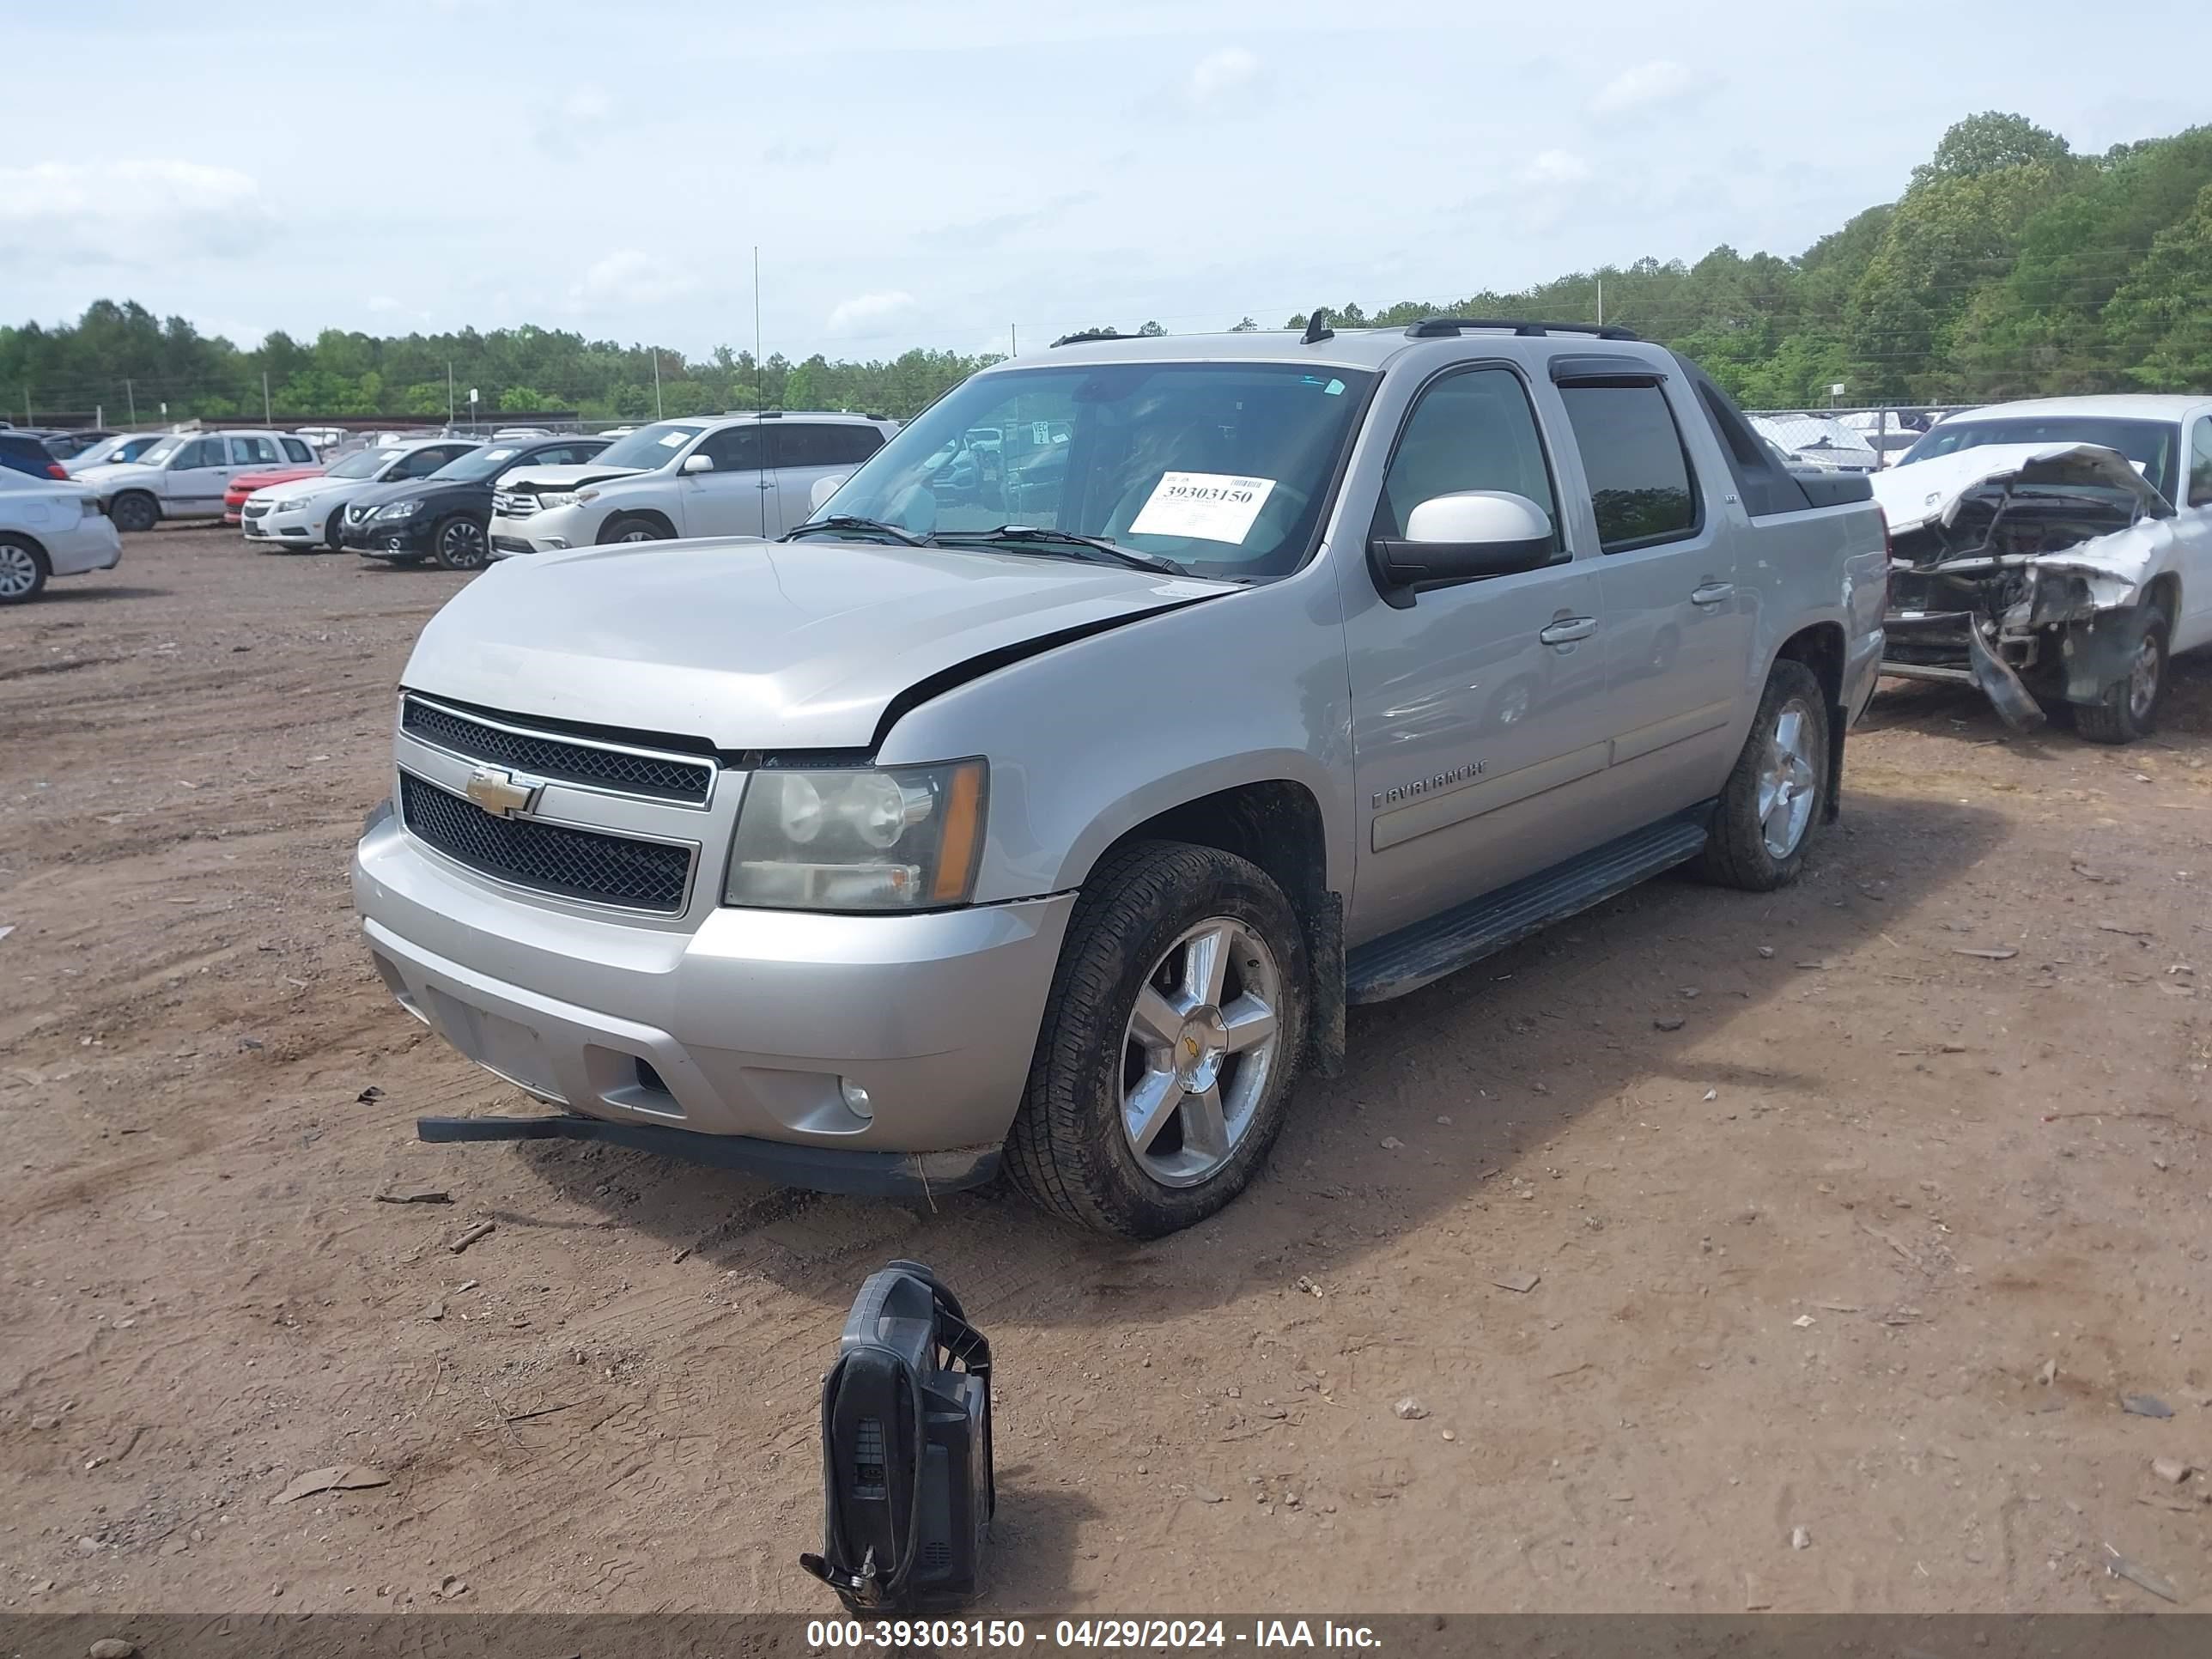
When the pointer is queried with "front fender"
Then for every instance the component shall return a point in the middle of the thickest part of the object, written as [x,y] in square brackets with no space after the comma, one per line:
[1089,740]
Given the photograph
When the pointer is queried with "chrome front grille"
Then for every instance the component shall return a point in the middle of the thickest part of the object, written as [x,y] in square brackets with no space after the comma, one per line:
[512,503]
[254,510]
[550,858]
[617,768]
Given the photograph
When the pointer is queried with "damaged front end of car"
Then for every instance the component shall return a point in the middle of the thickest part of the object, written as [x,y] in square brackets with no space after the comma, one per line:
[2022,570]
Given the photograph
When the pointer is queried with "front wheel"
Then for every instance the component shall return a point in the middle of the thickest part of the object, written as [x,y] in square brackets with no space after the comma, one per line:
[459,545]
[134,514]
[1171,1037]
[1772,801]
[634,529]
[2127,708]
[22,570]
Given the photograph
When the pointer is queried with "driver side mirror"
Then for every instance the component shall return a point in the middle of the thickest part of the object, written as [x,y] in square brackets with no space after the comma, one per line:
[1461,537]
[697,463]
[818,497]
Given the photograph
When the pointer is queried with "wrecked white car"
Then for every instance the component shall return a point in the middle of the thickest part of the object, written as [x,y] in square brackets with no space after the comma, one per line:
[2044,574]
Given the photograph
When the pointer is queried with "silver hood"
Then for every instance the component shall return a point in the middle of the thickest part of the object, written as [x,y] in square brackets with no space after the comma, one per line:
[752,644]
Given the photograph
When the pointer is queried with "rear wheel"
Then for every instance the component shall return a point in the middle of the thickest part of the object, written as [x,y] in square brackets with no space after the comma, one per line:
[334,530]
[22,570]
[1170,1041]
[133,512]
[459,543]
[2129,707]
[1772,801]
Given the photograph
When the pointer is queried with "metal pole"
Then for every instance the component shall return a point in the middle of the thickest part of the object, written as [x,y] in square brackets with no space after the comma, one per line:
[656,383]
[1013,340]
[449,391]
[265,418]
[760,367]
[132,398]
[1601,302]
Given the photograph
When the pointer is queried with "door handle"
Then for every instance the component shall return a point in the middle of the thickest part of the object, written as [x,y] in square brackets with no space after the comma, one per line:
[1711,592]
[1568,629]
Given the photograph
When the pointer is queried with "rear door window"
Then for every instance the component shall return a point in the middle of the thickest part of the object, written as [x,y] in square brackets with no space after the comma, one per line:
[802,445]
[2200,464]
[1640,483]
[297,453]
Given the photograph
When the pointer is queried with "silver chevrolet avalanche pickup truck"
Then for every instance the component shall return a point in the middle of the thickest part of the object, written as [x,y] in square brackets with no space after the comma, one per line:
[1052,818]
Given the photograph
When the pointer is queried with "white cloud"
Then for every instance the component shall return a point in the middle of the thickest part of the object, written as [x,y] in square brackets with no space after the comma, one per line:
[384,302]
[631,276]
[1557,167]
[1662,80]
[586,103]
[851,316]
[1220,77]
[141,214]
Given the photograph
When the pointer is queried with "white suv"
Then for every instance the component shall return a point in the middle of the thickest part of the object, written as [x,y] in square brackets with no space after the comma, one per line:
[722,475]
[184,475]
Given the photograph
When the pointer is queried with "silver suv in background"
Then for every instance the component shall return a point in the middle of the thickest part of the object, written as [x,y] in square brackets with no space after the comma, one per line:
[931,838]
[727,475]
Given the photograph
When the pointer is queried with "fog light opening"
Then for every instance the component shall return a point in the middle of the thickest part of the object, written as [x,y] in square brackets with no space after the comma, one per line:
[649,1078]
[856,1098]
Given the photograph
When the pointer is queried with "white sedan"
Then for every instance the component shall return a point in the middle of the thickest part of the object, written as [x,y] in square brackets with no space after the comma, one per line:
[311,512]
[50,528]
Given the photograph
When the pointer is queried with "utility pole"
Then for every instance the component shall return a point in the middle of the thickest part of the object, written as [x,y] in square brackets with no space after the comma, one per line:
[449,391]
[1013,340]
[760,367]
[656,383]
[265,419]
[131,397]
[1601,302]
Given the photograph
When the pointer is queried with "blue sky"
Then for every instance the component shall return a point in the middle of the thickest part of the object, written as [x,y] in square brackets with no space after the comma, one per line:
[931,175]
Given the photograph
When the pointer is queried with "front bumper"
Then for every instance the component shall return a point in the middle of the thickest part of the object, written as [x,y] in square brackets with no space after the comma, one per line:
[744,1025]
[301,527]
[548,530]
[383,538]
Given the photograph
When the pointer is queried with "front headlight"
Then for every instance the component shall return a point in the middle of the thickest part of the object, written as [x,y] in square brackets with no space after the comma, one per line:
[291,506]
[904,838]
[398,510]
[557,498]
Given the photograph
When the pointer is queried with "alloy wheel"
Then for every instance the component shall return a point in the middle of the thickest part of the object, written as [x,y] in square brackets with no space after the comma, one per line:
[19,571]
[1787,780]
[1201,1046]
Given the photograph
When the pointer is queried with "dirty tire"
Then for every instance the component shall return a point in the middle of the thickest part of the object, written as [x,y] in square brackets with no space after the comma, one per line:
[334,532]
[134,512]
[2129,707]
[1068,1152]
[1737,853]
[23,570]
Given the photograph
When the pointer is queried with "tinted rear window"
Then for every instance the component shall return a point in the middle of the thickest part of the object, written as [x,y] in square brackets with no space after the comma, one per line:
[1631,450]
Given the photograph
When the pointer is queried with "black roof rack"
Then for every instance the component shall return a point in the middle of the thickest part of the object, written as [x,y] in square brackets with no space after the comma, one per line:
[1437,328]
[1084,335]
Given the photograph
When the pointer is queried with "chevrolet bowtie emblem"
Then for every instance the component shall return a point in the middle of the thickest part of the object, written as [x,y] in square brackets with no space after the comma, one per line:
[502,794]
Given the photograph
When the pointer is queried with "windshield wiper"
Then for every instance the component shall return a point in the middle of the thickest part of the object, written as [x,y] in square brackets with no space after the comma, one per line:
[852,522]
[1099,551]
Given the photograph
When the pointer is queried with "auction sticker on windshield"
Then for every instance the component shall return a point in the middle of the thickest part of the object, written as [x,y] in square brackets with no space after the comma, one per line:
[1209,506]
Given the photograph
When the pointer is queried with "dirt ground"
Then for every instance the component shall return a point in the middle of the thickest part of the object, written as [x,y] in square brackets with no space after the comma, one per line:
[1856,1209]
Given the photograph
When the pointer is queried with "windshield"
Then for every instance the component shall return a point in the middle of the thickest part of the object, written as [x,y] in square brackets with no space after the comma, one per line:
[364,464]
[2153,445]
[479,465]
[160,452]
[1221,468]
[649,446]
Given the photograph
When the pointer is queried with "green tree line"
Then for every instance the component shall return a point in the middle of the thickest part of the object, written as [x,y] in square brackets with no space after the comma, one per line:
[2011,266]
